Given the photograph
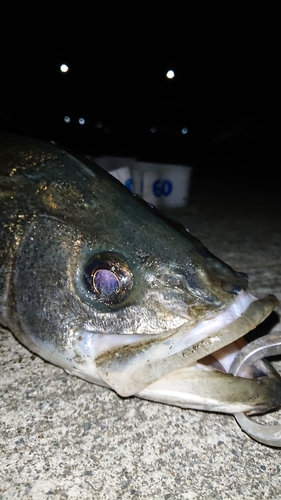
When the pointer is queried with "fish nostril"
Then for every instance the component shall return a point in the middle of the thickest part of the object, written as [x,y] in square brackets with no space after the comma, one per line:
[184,282]
[184,279]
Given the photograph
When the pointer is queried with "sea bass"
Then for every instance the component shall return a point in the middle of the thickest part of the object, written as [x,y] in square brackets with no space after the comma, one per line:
[96,281]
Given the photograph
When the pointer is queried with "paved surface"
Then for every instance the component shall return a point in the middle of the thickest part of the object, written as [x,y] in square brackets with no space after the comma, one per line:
[62,438]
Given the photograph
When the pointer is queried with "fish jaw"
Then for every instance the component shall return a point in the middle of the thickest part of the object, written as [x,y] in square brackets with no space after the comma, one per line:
[174,376]
[128,371]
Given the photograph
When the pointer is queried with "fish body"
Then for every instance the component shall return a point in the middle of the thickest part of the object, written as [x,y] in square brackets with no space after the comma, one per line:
[96,281]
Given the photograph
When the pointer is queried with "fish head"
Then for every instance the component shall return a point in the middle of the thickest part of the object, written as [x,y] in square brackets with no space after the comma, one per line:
[106,287]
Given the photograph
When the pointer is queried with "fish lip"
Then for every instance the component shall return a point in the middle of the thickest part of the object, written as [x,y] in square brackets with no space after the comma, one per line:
[214,323]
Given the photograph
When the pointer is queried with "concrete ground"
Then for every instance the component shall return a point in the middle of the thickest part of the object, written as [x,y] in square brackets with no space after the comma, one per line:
[62,438]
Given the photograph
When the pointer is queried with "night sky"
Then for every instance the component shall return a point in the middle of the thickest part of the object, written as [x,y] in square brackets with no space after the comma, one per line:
[225,91]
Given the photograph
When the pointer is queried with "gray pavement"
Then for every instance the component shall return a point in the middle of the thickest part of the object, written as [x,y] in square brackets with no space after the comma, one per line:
[62,438]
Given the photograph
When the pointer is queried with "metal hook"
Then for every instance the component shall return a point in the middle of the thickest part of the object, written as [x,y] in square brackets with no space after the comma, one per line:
[270,345]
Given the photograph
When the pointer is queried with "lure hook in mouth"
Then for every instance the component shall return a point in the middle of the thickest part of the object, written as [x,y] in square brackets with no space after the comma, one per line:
[269,345]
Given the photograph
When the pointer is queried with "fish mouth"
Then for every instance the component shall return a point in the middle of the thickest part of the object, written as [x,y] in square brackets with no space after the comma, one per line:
[174,368]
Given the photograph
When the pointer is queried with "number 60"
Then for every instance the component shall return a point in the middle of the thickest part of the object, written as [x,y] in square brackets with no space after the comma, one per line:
[162,188]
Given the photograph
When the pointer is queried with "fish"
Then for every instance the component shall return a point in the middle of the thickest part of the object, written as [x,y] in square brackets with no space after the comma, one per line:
[98,282]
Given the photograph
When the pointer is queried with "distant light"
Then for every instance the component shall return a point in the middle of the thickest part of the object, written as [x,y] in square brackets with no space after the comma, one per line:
[99,125]
[67,119]
[153,130]
[170,74]
[81,121]
[64,68]
[184,130]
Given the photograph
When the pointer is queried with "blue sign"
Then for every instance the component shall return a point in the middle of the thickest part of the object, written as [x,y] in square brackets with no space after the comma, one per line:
[162,188]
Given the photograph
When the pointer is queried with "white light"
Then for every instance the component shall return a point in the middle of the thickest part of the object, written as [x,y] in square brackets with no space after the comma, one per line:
[99,125]
[184,130]
[64,68]
[153,130]
[81,121]
[67,119]
[170,74]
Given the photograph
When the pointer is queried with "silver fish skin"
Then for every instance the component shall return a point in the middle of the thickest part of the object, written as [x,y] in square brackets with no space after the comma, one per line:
[96,281]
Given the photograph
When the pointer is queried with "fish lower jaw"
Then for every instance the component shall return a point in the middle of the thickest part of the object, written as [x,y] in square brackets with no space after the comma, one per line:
[202,388]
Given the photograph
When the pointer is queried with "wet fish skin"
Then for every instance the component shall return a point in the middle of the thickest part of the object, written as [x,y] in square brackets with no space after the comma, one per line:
[62,222]
[51,203]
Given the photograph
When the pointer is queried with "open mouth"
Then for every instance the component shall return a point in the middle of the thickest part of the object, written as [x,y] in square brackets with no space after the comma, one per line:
[186,377]
[188,367]
[193,367]
[131,368]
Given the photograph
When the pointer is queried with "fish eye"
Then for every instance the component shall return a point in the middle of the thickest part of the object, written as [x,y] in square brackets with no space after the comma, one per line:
[108,277]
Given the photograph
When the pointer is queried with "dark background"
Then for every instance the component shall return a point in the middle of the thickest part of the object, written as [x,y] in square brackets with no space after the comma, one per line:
[225,91]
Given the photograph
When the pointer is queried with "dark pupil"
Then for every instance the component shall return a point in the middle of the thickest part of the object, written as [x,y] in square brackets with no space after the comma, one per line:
[105,282]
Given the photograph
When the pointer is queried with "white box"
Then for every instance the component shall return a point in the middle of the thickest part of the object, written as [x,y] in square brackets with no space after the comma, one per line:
[161,184]
[119,167]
